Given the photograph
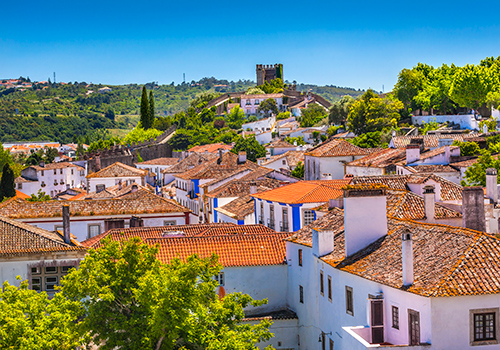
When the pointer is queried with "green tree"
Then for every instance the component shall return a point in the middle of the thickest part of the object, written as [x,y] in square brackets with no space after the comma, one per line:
[312,115]
[235,118]
[368,140]
[250,145]
[436,91]
[468,148]
[268,106]
[283,115]
[30,320]
[50,155]
[298,172]
[7,186]
[471,85]
[340,110]
[255,91]
[181,140]
[145,109]
[475,175]
[40,196]
[410,83]
[372,113]
[139,134]
[152,112]
[490,123]
[133,301]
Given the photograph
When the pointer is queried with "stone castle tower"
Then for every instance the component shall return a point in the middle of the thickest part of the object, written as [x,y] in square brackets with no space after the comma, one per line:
[268,72]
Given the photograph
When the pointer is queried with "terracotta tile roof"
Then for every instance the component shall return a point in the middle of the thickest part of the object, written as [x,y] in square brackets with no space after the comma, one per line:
[343,135]
[118,170]
[52,166]
[380,159]
[194,230]
[210,148]
[305,192]
[259,173]
[114,192]
[448,261]
[284,314]
[194,159]
[238,208]
[17,238]
[218,169]
[239,187]
[280,144]
[337,148]
[21,179]
[465,163]
[431,169]
[292,157]
[160,161]
[232,250]
[430,141]
[449,191]
[435,152]
[21,195]
[140,202]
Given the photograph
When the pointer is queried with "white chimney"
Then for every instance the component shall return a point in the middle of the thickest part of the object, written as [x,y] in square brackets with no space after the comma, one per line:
[429,203]
[407,254]
[322,242]
[268,155]
[485,128]
[242,157]
[253,188]
[447,154]
[360,204]
[393,133]
[326,176]
[412,153]
[491,184]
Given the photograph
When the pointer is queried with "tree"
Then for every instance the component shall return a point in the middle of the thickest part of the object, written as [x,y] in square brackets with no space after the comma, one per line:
[436,91]
[372,113]
[340,110]
[312,115]
[268,106]
[250,145]
[39,197]
[255,91]
[283,115]
[298,172]
[151,109]
[50,155]
[368,140]
[235,118]
[471,85]
[139,134]
[30,320]
[133,301]
[475,175]
[7,186]
[490,123]
[110,114]
[468,148]
[145,109]
[410,83]
[181,140]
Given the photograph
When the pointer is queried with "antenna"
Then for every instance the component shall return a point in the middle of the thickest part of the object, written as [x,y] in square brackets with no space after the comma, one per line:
[382,87]
[184,77]
[54,77]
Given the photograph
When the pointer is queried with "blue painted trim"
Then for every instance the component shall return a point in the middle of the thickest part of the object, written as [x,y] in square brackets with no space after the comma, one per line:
[314,213]
[282,203]
[255,210]
[196,184]
[296,217]
[269,202]
[241,222]
[215,211]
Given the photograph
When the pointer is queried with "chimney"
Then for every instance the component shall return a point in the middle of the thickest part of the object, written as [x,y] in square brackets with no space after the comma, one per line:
[119,185]
[412,153]
[66,228]
[429,203]
[136,221]
[407,255]
[361,203]
[491,184]
[473,208]
[447,154]
[42,164]
[485,128]
[253,188]
[133,188]
[242,157]
[326,176]
[322,241]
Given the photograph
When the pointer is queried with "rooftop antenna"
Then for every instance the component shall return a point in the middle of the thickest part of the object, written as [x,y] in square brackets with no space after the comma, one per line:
[184,77]
[54,77]
[382,87]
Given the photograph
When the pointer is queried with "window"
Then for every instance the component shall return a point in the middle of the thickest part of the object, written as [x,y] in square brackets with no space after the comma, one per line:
[19,186]
[285,220]
[261,218]
[330,288]
[72,171]
[46,278]
[248,102]
[349,303]
[82,172]
[220,279]
[55,171]
[308,217]
[60,171]
[283,162]
[100,187]
[169,222]
[331,344]
[271,216]
[395,317]
[300,257]
[257,102]
[93,230]
[484,326]
[42,173]
[321,283]
[301,294]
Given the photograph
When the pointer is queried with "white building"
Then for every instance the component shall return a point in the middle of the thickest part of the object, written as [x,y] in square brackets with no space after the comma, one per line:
[114,174]
[330,157]
[184,164]
[250,103]
[278,147]
[91,217]
[286,161]
[51,178]
[42,257]
[156,167]
[379,163]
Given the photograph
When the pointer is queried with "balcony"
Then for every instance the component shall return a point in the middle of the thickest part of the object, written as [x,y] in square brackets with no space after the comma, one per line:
[284,226]
[361,336]
[270,224]
[261,220]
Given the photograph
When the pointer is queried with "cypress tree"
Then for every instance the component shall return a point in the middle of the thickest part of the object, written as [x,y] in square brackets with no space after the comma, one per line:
[151,109]
[145,109]
[7,186]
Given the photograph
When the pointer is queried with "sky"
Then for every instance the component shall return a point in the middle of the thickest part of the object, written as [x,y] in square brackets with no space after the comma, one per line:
[358,44]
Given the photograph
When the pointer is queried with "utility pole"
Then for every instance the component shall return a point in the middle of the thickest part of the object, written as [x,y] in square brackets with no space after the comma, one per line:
[184,77]
[54,77]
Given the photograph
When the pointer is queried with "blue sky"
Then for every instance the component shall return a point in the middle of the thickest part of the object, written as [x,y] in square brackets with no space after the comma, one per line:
[357,44]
